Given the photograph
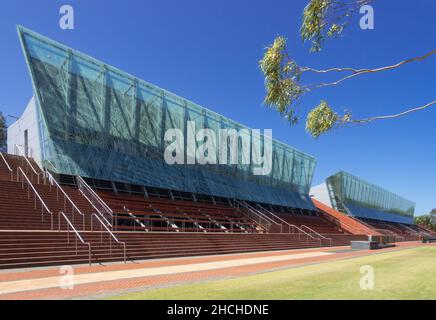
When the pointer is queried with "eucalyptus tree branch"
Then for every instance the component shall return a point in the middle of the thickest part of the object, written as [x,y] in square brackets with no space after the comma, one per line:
[354,70]
[323,118]
[395,115]
[358,72]
[327,18]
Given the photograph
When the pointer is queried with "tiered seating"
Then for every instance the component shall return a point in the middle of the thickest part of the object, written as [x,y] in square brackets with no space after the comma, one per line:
[26,240]
[345,222]
[37,248]
[135,213]
[283,219]
[19,249]
[400,231]
[15,198]
[17,212]
[314,222]
[319,224]
[160,245]
[424,231]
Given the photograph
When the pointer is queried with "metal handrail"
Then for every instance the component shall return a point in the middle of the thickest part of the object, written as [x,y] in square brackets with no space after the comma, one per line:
[287,223]
[391,233]
[167,220]
[264,224]
[410,229]
[179,223]
[196,222]
[30,186]
[28,148]
[70,225]
[299,229]
[52,182]
[257,213]
[51,163]
[94,193]
[249,207]
[110,214]
[365,231]
[417,233]
[112,236]
[352,228]
[135,221]
[340,223]
[8,166]
[392,227]
[317,234]
[28,162]
[365,224]
[429,231]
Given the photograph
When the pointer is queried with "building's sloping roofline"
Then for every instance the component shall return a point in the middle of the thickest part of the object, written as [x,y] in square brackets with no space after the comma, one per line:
[22,30]
[73,134]
[360,198]
[373,185]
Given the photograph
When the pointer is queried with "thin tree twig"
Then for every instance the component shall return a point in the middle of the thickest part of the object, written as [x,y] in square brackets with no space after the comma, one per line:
[395,115]
[357,72]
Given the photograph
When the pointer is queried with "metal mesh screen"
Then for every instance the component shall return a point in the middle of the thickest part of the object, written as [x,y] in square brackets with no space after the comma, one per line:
[97,121]
[366,200]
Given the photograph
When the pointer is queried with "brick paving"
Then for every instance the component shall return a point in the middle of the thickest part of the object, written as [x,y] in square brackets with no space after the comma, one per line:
[115,287]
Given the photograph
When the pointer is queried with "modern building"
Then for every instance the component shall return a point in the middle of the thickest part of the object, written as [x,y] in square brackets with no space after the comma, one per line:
[89,157]
[89,119]
[356,197]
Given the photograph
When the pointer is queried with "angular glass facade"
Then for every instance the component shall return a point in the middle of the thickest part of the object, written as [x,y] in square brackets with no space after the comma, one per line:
[97,121]
[363,199]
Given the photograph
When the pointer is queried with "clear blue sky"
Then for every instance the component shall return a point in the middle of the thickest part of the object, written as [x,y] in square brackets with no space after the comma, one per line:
[208,52]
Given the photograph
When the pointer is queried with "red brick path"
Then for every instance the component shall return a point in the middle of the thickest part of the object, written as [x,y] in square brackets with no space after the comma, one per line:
[119,286]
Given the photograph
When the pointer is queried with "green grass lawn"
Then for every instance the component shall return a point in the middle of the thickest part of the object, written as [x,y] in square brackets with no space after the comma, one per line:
[405,274]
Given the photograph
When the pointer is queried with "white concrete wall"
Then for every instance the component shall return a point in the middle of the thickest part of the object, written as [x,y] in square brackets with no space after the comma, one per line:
[28,121]
[320,193]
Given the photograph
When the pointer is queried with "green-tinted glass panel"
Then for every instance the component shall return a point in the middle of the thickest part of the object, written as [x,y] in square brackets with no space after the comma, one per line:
[100,122]
[367,200]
